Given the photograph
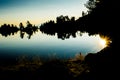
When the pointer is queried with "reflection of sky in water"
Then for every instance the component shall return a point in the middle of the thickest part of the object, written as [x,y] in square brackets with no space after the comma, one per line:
[44,45]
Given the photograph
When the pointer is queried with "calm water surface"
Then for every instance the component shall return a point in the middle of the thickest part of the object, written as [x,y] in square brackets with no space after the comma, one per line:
[47,46]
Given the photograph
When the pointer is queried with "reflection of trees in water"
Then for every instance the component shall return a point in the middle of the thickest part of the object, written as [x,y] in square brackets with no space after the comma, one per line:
[29,29]
[22,34]
[64,28]
[8,30]
[94,22]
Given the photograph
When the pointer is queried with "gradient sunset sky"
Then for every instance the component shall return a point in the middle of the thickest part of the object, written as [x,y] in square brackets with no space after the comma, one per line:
[38,11]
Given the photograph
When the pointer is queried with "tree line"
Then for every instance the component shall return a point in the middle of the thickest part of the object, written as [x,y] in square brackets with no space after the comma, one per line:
[8,30]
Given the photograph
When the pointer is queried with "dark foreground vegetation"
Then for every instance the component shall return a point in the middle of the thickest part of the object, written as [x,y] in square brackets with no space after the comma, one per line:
[93,66]
[102,18]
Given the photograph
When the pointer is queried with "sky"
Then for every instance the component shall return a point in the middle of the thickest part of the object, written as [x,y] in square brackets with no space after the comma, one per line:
[38,11]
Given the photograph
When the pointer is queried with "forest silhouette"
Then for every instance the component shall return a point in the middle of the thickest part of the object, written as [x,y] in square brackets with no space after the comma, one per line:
[102,18]
[8,30]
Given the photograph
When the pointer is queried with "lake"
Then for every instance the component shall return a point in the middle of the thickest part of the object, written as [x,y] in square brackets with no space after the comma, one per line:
[47,46]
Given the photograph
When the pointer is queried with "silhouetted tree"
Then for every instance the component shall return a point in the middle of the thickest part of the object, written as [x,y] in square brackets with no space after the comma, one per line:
[83,13]
[35,28]
[64,27]
[60,19]
[29,24]
[21,26]
[73,19]
[91,4]
[67,18]
[7,29]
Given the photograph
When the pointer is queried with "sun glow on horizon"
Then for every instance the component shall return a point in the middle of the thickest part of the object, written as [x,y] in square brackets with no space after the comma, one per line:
[103,42]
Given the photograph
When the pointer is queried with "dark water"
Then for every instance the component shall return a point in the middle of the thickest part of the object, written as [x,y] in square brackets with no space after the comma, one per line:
[48,46]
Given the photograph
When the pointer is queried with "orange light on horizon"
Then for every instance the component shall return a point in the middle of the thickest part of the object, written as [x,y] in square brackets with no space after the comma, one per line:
[104,41]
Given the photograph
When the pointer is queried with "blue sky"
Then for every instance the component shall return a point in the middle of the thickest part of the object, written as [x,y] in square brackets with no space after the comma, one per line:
[38,11]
